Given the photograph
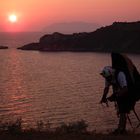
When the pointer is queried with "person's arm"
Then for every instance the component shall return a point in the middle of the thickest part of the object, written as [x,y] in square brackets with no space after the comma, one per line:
[104,99]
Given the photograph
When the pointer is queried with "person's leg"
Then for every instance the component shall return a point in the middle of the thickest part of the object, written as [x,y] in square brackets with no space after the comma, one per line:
[122,123]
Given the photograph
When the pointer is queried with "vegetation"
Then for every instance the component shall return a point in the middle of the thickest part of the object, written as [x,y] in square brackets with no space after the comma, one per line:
[71,131]
[17,127]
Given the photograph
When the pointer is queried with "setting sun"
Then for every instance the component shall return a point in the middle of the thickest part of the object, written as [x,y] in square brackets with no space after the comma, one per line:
[12,18]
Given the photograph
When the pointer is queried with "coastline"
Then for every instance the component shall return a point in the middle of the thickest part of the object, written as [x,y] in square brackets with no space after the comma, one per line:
[119,37]
[71,131]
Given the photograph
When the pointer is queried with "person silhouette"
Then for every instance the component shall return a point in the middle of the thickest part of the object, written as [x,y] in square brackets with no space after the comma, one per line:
[120,92]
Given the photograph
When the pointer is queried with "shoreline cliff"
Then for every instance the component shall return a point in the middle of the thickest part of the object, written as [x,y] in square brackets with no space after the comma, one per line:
[118,37]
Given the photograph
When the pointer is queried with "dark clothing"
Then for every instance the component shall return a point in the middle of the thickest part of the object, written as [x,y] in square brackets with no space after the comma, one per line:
[125,104]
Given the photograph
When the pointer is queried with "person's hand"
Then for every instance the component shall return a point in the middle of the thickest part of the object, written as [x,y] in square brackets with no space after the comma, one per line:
[103,100]
[112,98]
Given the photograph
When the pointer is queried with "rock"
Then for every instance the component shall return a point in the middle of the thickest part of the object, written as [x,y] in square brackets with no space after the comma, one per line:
[31,46]
[3,47]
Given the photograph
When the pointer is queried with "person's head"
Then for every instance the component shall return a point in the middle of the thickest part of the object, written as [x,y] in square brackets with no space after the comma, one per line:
[108,72]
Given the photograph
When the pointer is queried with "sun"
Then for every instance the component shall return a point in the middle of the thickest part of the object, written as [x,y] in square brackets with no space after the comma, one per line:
[12,18]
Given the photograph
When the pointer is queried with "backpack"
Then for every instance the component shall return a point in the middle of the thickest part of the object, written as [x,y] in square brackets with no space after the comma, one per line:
[120,62]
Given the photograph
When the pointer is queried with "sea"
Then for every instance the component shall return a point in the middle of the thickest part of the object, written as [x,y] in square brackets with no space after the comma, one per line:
[55,87]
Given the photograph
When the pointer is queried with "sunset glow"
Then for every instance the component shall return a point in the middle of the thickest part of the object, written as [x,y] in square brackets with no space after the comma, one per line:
[12,18]
[38,14]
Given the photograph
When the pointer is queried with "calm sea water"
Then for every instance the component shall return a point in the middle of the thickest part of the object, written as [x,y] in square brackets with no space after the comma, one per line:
[56,87]
[17,39]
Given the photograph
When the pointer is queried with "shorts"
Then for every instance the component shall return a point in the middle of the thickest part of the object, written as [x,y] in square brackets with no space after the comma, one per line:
[125,104]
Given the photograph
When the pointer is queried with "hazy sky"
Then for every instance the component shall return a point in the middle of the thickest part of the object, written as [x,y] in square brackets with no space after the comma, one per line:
[35,15]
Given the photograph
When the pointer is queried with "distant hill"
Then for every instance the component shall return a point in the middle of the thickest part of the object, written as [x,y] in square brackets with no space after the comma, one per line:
[71,27]
[118,37]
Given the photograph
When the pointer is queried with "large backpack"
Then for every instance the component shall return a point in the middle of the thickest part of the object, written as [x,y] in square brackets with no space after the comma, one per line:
[120,62]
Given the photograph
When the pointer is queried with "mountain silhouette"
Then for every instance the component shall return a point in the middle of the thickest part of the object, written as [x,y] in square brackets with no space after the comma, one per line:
[71,27]
[118,37]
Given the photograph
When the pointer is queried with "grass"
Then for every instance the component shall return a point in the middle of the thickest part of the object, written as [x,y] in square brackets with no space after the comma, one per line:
[13,130]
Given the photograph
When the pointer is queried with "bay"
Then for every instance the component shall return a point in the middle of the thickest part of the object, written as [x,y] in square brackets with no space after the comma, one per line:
[56,87]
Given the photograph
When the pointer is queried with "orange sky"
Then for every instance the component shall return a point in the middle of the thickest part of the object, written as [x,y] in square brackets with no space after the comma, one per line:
[35,15]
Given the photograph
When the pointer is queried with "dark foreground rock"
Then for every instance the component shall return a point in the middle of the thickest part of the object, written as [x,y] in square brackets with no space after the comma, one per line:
[3,47]
[118,37]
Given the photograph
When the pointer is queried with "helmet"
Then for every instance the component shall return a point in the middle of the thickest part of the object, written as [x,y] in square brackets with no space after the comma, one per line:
[107,71]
